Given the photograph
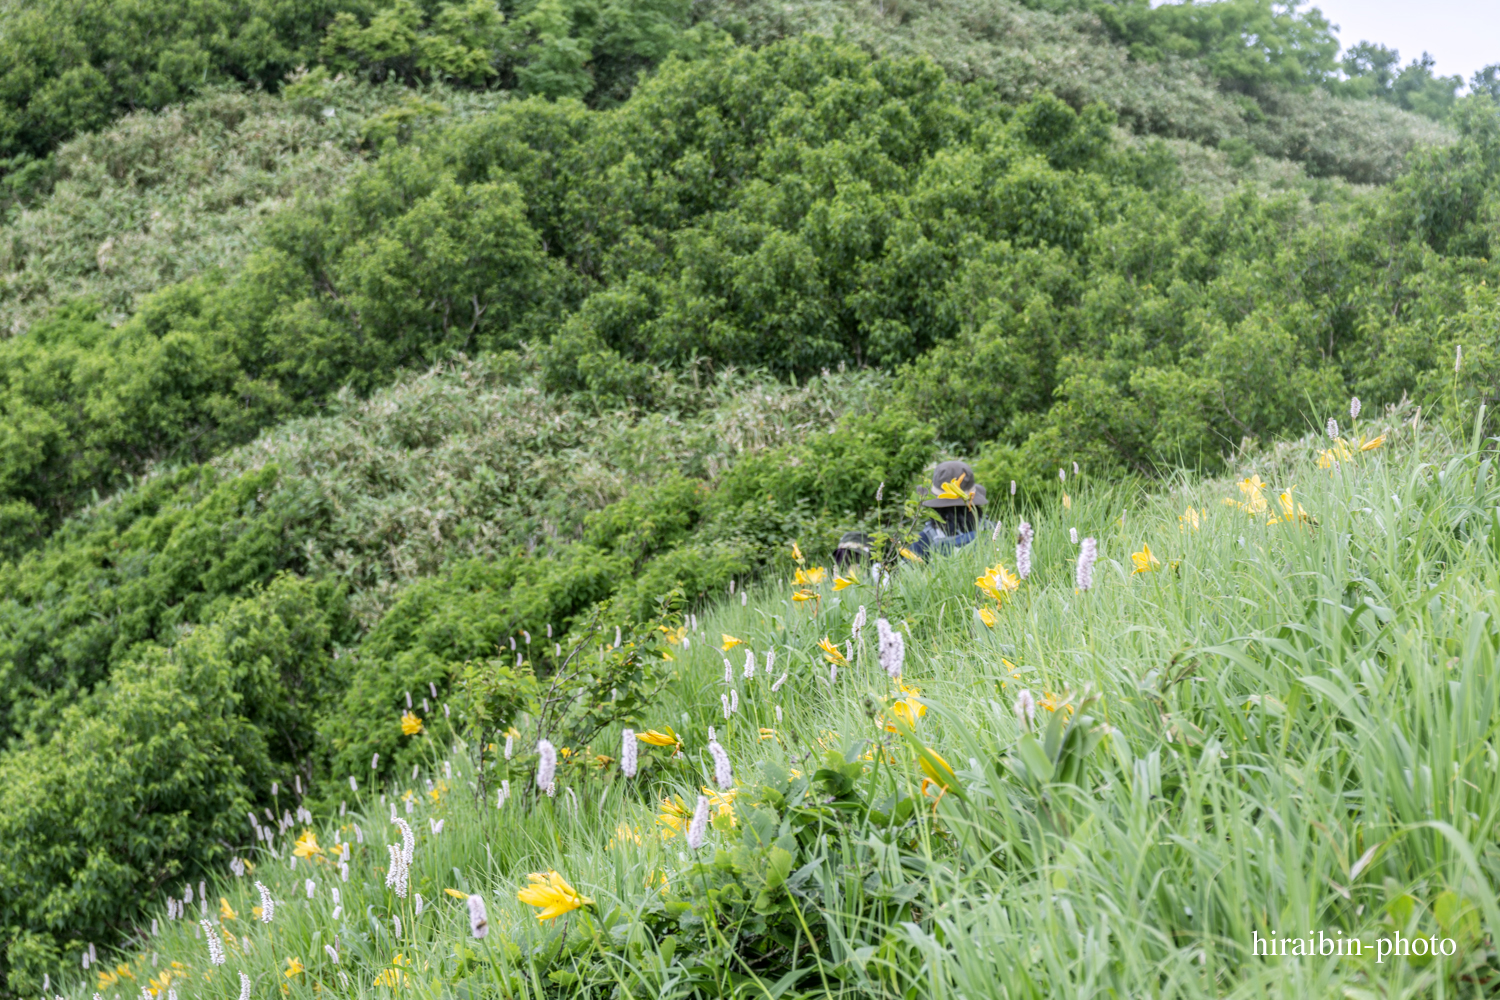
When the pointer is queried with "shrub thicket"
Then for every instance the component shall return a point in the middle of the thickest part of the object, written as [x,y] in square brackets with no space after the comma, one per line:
[796,207]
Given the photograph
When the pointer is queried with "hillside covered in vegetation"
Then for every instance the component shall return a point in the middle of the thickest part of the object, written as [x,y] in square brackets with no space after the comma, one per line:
[369,359]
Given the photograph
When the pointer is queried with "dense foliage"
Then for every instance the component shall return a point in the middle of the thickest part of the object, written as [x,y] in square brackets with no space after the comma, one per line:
[795,208]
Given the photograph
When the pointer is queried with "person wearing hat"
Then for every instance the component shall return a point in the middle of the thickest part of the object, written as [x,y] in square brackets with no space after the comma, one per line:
[959,501]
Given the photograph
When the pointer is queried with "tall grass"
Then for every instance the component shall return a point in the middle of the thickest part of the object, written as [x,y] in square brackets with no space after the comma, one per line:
[1294,731]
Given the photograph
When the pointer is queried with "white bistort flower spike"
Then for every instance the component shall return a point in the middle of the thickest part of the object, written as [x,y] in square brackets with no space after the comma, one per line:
[215,946]
[244,987]
[408,840]
[267,904]
[698,828]
[546,767]
[479,921]
[1087,553]
[1332,428]
[892,648]
[723,773]
[1354,408]
[1024,534]
[749,664]
[1026,708]
[628,753]
[332,953]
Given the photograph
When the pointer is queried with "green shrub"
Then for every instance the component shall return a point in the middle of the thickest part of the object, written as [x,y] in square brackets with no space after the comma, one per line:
[146,782]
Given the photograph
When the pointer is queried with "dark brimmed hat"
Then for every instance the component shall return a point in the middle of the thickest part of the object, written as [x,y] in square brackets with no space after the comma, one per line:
[852,547]
[946,472]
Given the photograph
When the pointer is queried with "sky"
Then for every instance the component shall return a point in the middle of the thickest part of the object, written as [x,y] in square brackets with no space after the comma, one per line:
[1462,35]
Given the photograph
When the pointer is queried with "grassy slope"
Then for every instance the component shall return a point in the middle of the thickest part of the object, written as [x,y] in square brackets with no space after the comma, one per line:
[1285,698]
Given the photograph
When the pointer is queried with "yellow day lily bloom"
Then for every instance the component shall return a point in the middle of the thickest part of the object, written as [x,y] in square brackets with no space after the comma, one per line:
[674,817]
[656,739]
[1372,444]
[953,489]
[840,582]
[1067,502]
[805,595]
[226,912]
[674,636]
[987,615]
[624,834]
[832,653]
[256,912]
[294,967]
[307,845]
[456,894]
[730,641]
[908,709]
[796,552]
[942,775]
[722,803]
[1144,561]
[552,894]
[768,734]
[810,577]
[909,554]
[1339,452]
[1190,520]
[411,724]
[998,582]
[1254,489]
[1052,702]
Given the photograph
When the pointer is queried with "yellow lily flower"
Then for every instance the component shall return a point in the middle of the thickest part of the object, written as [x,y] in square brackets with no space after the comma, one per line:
[657,739]
[1144,561]
[1067,502]
[226,912]
[624,834]
[307,845]
[909,554]
[294,967]
[987,615]
[840,582]
[769,734]
[411,724]
[674,636]
[1052,702]
[674,817]
[942,775]
[810,577]
[1372,444]
[832,653]
[805,595]
[730,642]
[552,894]
[796,552]
[997,582]
[722,803]
[1190,519]
[456,894]
[907,709]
